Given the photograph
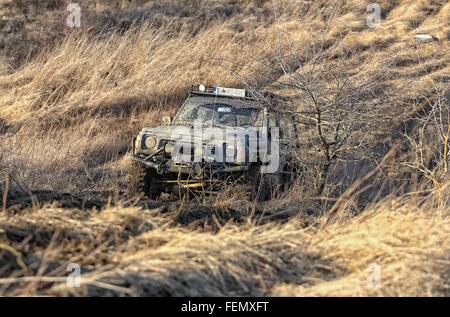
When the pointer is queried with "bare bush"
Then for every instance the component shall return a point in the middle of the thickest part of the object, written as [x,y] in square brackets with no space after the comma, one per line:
[344,106]
[430,144]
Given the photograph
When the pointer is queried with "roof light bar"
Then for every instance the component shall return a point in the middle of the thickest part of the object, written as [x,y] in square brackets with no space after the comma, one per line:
[220,91]
[232,92]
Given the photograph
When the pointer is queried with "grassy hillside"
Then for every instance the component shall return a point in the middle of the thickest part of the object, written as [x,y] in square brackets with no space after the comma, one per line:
[157,252]
[71,99]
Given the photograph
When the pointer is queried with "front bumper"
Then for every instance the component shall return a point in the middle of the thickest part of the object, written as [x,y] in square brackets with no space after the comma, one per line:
[167,166]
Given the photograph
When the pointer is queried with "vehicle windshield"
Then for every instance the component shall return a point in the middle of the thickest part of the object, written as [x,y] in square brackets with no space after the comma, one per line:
[217,113]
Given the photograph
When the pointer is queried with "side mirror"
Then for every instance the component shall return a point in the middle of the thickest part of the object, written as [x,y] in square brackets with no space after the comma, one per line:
[166,120]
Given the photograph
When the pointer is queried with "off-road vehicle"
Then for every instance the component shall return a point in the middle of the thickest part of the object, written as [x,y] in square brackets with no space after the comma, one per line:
[219,136]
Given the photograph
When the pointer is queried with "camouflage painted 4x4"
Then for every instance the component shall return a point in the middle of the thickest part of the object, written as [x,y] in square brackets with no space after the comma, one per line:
[219,134]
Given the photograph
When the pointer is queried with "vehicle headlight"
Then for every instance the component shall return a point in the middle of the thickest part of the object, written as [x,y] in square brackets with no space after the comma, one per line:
[169,148]
[149,142]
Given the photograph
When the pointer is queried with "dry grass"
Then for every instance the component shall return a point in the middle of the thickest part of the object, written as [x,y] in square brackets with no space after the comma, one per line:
[143,252]
[89,94]
[70,102]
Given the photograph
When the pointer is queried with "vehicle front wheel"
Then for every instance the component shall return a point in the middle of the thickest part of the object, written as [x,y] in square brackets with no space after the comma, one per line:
[141,181]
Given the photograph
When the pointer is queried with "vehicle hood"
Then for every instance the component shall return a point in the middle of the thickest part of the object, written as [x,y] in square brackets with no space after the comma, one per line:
[175,132]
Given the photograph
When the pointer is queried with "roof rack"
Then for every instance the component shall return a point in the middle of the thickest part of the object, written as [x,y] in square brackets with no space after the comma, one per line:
[203,90]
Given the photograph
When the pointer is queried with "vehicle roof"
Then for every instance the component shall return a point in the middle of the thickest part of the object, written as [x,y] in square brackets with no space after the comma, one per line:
[235,102]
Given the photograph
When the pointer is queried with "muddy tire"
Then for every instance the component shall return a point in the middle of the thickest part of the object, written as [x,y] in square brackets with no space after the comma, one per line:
[141,181]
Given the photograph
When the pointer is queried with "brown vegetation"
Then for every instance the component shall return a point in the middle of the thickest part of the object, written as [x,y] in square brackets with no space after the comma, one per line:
[373,108]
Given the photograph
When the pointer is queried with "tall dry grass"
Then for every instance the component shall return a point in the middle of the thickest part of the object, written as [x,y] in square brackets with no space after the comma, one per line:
[68,112]
[80,100]
[130,251]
